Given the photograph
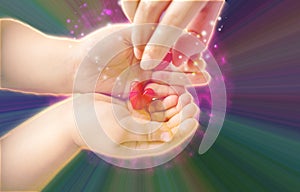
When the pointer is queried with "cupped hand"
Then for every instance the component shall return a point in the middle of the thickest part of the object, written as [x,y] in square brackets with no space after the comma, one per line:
[109,60]
[120,124]
[169,19]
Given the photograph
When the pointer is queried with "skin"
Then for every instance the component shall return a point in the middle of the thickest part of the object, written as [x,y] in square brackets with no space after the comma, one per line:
[196,16]
[53,71]
[24,165]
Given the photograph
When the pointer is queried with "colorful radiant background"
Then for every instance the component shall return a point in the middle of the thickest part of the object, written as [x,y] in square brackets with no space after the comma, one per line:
[257,44]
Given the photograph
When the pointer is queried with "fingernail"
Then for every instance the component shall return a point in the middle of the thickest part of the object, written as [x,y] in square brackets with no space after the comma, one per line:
[137,53]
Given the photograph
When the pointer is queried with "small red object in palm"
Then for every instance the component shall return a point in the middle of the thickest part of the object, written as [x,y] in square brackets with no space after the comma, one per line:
[140,98]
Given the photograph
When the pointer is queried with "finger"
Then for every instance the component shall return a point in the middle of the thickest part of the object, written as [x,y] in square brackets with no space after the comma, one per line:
[158,108]
[179,57]
[195,64]
[204,23]
[163,105]
[161,90]
[187,128]
[166,132]
[198,79]
[185,47]
[147,12]
[189,111]
[183,79]
[168,129]
[168,31]
[183,100]
[129,8]
[162,87]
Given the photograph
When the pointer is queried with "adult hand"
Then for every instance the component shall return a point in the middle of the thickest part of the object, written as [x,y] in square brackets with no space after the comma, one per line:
[111,61]
[171,17]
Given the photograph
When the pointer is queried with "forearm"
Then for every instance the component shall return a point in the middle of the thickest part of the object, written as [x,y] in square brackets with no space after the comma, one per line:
[34,62]
[36,150]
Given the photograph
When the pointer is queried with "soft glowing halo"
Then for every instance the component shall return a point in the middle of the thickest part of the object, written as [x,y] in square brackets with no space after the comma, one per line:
[85,114]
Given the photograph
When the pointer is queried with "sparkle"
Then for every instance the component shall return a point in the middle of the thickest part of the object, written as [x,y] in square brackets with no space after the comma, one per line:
[223,60]
[212,23]
[75,26]
[107,11]
[196,63]
[220,28]
[203,33]
[99,69]
[194,74]
[72,32]
[197,43]
[180,57]
[68,20]
[82,34]
[215,46]
[207,56]
[104,77]
[219,18]
[204,40]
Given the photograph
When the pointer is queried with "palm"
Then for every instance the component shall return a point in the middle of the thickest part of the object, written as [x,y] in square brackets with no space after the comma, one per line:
[107,59]
[112,73]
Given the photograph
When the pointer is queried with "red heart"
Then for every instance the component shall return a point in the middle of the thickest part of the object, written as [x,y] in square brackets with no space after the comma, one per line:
[148,96]
[139,97]
[135,95]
